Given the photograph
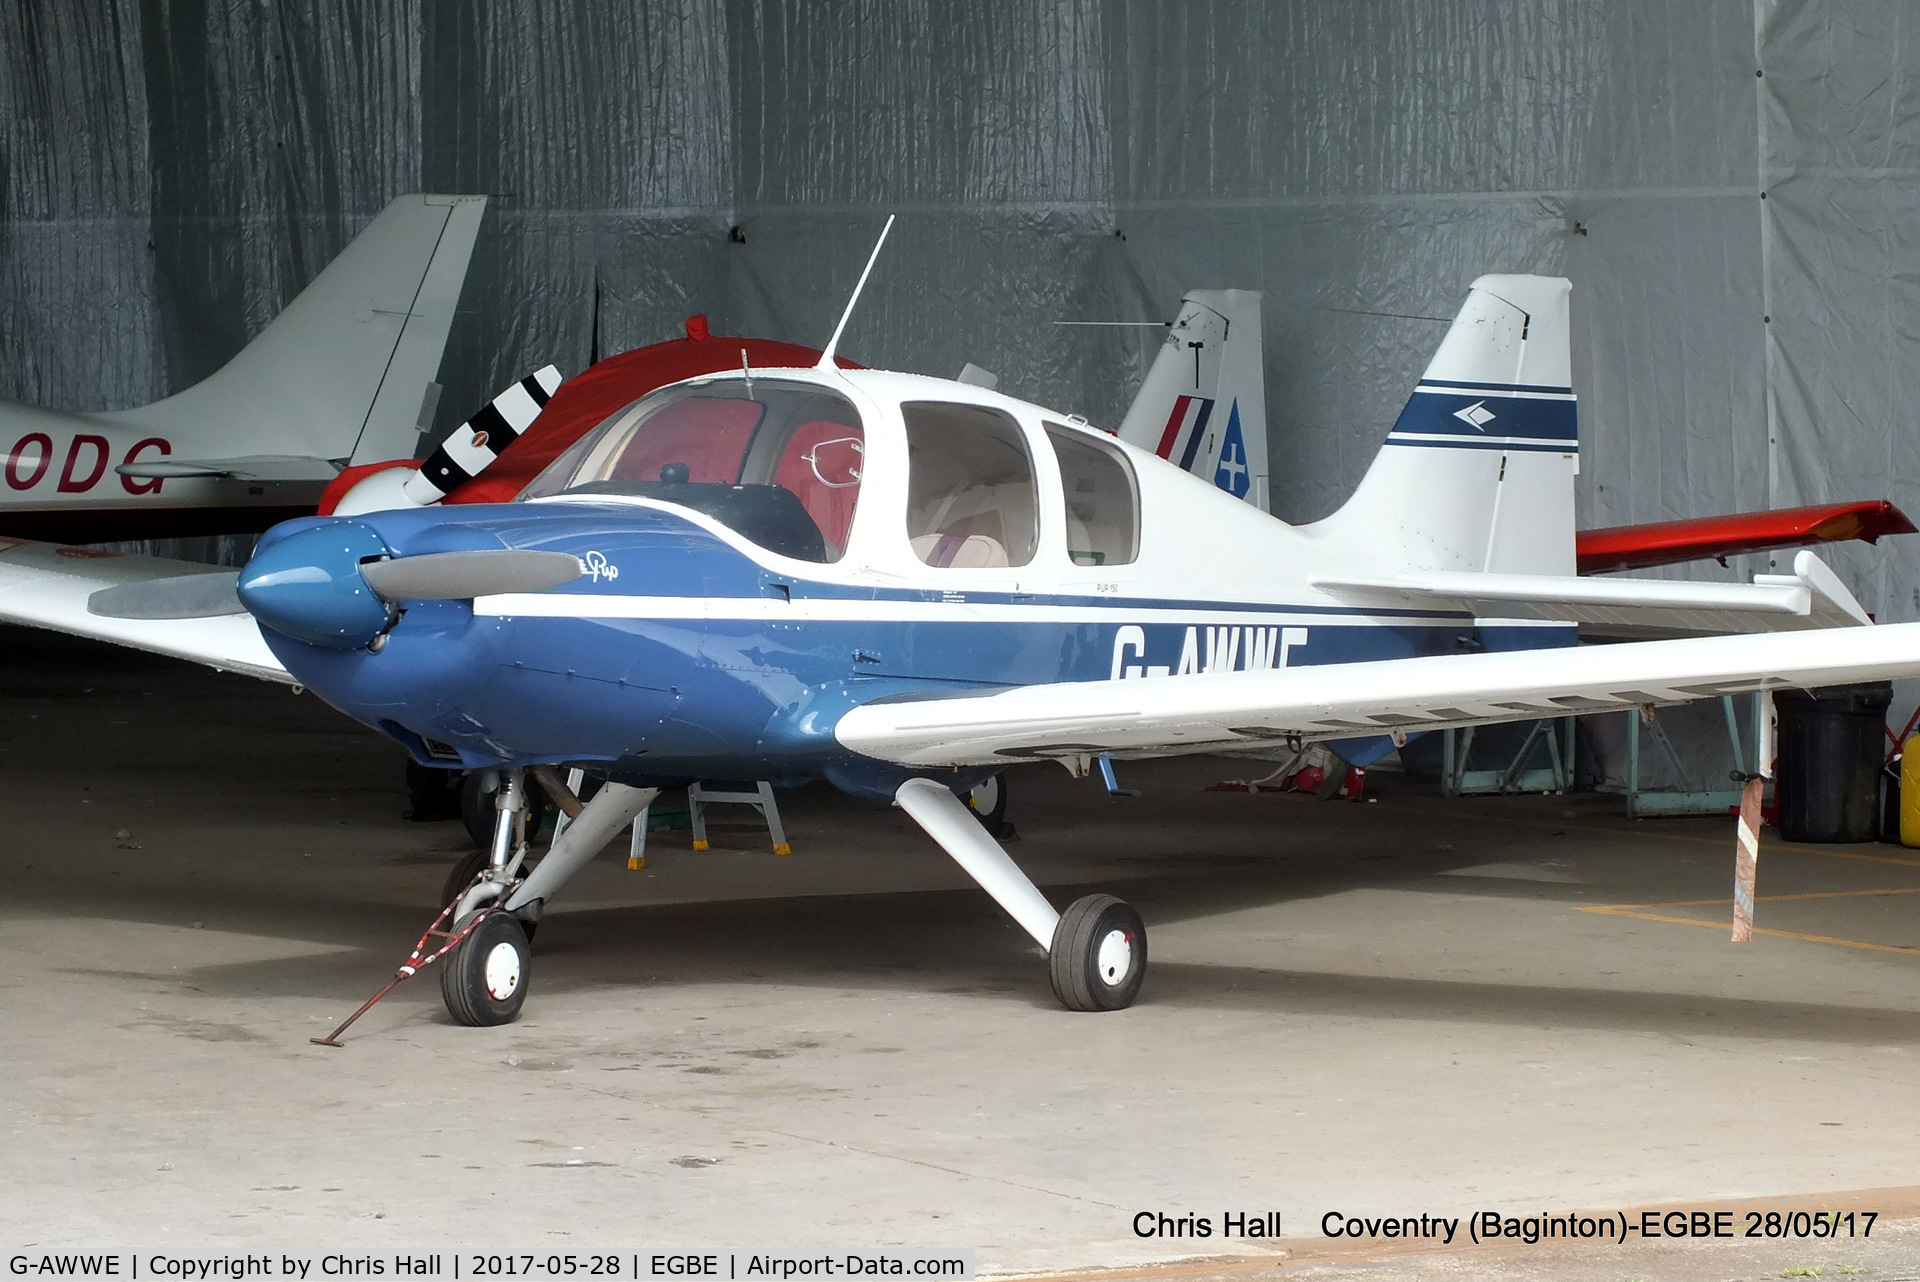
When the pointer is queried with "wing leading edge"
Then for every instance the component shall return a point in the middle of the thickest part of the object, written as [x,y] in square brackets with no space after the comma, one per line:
[1223,711]
[45,586]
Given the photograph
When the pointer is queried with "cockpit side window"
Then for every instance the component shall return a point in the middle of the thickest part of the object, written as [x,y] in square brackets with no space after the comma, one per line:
[778,463]
[970,490]
[1103,501]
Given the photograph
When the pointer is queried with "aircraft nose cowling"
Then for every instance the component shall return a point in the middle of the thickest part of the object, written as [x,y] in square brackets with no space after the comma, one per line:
[308,586]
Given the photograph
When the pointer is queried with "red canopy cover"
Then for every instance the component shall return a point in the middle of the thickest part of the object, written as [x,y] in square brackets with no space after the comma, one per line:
[585,400]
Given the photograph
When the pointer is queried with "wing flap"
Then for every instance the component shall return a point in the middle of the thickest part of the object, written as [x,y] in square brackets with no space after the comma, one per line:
[48,586]
[1212,711]
[1810,597]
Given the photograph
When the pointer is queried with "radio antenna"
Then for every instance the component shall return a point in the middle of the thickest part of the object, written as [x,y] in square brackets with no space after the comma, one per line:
[826,357]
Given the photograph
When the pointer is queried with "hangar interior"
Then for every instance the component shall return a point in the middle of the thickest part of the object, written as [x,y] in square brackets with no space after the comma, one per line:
[1728,184]
[1723,183]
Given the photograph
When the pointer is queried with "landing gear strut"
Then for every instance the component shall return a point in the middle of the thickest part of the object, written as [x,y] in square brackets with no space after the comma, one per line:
[483,934]
[1096,950]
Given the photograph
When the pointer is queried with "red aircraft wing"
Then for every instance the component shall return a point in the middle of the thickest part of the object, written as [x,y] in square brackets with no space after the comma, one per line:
[1634,547]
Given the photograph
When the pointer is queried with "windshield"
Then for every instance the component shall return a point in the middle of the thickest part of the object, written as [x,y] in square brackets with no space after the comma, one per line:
[778,463]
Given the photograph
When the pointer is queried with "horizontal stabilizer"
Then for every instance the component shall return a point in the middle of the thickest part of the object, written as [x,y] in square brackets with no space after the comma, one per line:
[1229,711]
[1811,597]
[45,586]
[253,467]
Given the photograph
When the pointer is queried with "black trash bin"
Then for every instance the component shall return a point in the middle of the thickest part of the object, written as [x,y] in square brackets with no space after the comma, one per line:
[1832,742]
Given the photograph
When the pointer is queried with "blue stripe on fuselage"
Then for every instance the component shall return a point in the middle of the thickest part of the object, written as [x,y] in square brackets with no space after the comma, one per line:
[657,699]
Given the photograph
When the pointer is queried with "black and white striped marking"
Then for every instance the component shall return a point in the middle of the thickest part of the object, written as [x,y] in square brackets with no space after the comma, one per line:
[469,449]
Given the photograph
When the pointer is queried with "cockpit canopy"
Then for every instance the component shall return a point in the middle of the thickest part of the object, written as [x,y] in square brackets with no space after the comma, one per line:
[777,462]
[781,462]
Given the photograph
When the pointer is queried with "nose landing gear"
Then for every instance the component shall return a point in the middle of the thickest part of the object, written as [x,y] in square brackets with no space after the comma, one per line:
[485,979]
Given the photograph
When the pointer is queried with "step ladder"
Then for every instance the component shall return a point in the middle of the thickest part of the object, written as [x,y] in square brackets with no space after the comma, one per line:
[698,799]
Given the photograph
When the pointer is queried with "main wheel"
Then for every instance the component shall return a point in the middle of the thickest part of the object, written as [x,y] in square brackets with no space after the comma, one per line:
[1099,954]
[988,801]
[461,876]
[485,977]
[432,793]
[478,812]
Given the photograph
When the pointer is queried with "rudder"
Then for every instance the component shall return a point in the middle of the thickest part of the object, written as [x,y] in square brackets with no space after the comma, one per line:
[1477,473]
[1203,404]
[343,371]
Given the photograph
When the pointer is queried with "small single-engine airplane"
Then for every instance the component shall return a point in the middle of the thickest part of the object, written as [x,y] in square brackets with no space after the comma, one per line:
[344,374]
[901,584]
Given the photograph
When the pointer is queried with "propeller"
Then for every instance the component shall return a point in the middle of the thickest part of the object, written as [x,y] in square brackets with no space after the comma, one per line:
[182,596]
[456,576]
[338,586]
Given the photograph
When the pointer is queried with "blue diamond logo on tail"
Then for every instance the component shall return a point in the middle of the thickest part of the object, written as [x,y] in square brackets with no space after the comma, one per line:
[1475,416]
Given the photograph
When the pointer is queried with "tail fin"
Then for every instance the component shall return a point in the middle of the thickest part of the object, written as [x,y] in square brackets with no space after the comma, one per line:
[1204,402]
[347,369]
[1478,471]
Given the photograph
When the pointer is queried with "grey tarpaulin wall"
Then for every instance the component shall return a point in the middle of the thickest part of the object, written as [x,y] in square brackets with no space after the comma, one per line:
[171,171]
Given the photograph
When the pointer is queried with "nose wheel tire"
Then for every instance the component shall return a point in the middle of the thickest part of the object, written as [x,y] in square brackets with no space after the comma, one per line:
[484,979]
[1099,954]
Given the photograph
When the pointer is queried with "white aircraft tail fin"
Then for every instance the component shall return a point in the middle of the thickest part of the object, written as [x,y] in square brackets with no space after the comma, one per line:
[347,370]
[1204,402]
[1478,471]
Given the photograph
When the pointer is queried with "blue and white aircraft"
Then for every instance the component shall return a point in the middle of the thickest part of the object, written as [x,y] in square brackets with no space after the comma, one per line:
[902,584]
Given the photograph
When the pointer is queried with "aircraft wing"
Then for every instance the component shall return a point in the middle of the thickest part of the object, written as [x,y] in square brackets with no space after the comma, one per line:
[1216,712]
[1810,597]
[252,467]
[45,585]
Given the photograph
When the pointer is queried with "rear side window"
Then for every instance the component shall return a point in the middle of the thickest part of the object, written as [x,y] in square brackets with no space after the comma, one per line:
[970,492]
[1103,503]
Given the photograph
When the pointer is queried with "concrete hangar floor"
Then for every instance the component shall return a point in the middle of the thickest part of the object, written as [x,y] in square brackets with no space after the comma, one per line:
[1399,1009]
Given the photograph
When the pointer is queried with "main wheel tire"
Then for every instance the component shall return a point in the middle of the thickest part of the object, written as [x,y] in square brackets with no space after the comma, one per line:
[479,814]
[433,793]
[988,801]
[477,811]
[485,977]
[1099,954]
[461,876]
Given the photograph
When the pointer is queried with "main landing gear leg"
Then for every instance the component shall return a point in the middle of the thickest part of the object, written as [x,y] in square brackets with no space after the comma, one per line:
[1096,950]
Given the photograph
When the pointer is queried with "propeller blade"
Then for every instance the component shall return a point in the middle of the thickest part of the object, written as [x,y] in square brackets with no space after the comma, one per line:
[457,576]
[183,596]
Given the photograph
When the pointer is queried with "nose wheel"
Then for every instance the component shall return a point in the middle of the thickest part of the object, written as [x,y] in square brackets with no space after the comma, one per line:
[484,980]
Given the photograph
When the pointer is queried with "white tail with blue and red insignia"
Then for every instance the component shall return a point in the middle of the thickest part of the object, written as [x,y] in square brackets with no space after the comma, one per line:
[1203,405]
[1478,471]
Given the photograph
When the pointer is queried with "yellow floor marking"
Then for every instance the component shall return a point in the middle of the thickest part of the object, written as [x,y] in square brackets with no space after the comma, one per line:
[1626,910]
[1767,850]
[1786,849]
[1763,899]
